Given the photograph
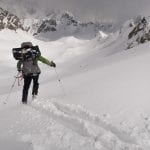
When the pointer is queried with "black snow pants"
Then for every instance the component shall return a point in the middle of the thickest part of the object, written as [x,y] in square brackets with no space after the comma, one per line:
[27,83]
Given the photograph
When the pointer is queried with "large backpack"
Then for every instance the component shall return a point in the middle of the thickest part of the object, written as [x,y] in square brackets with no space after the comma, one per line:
[25,53]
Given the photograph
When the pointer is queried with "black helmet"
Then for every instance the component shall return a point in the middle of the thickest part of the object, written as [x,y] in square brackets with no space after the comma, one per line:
[26,44]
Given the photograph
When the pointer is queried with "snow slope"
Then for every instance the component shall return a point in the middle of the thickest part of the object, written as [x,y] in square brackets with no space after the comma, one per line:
[96,77]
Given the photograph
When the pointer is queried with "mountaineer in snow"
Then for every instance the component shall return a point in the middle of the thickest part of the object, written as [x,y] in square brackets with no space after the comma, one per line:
[28,56]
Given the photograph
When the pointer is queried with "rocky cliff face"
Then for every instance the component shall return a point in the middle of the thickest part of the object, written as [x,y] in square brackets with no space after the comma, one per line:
[140,33]
[53,25]
[9,20]
[58,25]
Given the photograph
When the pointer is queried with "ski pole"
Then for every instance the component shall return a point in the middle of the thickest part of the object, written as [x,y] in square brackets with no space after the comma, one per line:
[59,80]
[9,93]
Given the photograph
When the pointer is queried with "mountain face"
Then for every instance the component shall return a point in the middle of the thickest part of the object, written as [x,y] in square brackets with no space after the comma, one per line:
[140,33]
[56,25]
[22,8]
[9,20]
[53,26]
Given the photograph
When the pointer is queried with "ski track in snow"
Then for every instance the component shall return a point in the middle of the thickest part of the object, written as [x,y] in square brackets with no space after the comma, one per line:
[49,125]
[60,126]
[81,113]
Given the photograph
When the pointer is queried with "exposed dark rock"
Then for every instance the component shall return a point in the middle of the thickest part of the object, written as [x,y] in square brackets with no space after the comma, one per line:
[47,26]
[140,26]
[140,33]
[59,24]
[9,20]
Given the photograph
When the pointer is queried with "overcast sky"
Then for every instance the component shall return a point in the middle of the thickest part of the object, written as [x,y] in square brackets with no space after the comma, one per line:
[102,9]
[97,9]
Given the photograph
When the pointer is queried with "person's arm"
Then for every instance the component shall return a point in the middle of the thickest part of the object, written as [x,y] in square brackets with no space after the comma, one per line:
[46,61]
[19,63]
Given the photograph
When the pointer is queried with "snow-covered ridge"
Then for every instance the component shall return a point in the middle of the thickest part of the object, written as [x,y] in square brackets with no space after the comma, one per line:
[9,20]
[53,25]
[132,33]
[56,25]
[140,32]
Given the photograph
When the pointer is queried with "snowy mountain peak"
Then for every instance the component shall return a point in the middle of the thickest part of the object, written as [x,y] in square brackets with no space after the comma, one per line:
[68,19]
[9,20]
[67,14]
[56,25]
[53,25]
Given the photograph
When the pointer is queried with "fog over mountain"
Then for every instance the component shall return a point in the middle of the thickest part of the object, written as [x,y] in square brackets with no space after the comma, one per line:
[115,10]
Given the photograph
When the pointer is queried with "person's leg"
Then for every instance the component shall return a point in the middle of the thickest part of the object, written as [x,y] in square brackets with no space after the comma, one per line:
[27,82]
[35,85]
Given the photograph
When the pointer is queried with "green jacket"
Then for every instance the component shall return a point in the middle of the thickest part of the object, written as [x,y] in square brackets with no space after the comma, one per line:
[31,66]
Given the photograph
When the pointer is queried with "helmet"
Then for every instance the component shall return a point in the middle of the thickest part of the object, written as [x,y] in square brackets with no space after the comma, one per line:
[26,44]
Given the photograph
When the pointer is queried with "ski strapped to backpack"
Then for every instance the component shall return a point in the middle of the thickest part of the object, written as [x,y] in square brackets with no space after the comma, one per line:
[25,53]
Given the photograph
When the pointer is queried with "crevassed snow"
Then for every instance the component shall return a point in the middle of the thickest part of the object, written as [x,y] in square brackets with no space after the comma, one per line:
[98,76]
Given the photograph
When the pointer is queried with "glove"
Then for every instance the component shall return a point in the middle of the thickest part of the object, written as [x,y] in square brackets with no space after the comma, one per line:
[52,64]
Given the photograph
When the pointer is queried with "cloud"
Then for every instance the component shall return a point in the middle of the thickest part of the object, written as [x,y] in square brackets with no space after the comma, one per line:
[117,10]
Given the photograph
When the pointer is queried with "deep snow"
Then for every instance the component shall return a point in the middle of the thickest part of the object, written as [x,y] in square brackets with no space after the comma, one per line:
[98,77]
